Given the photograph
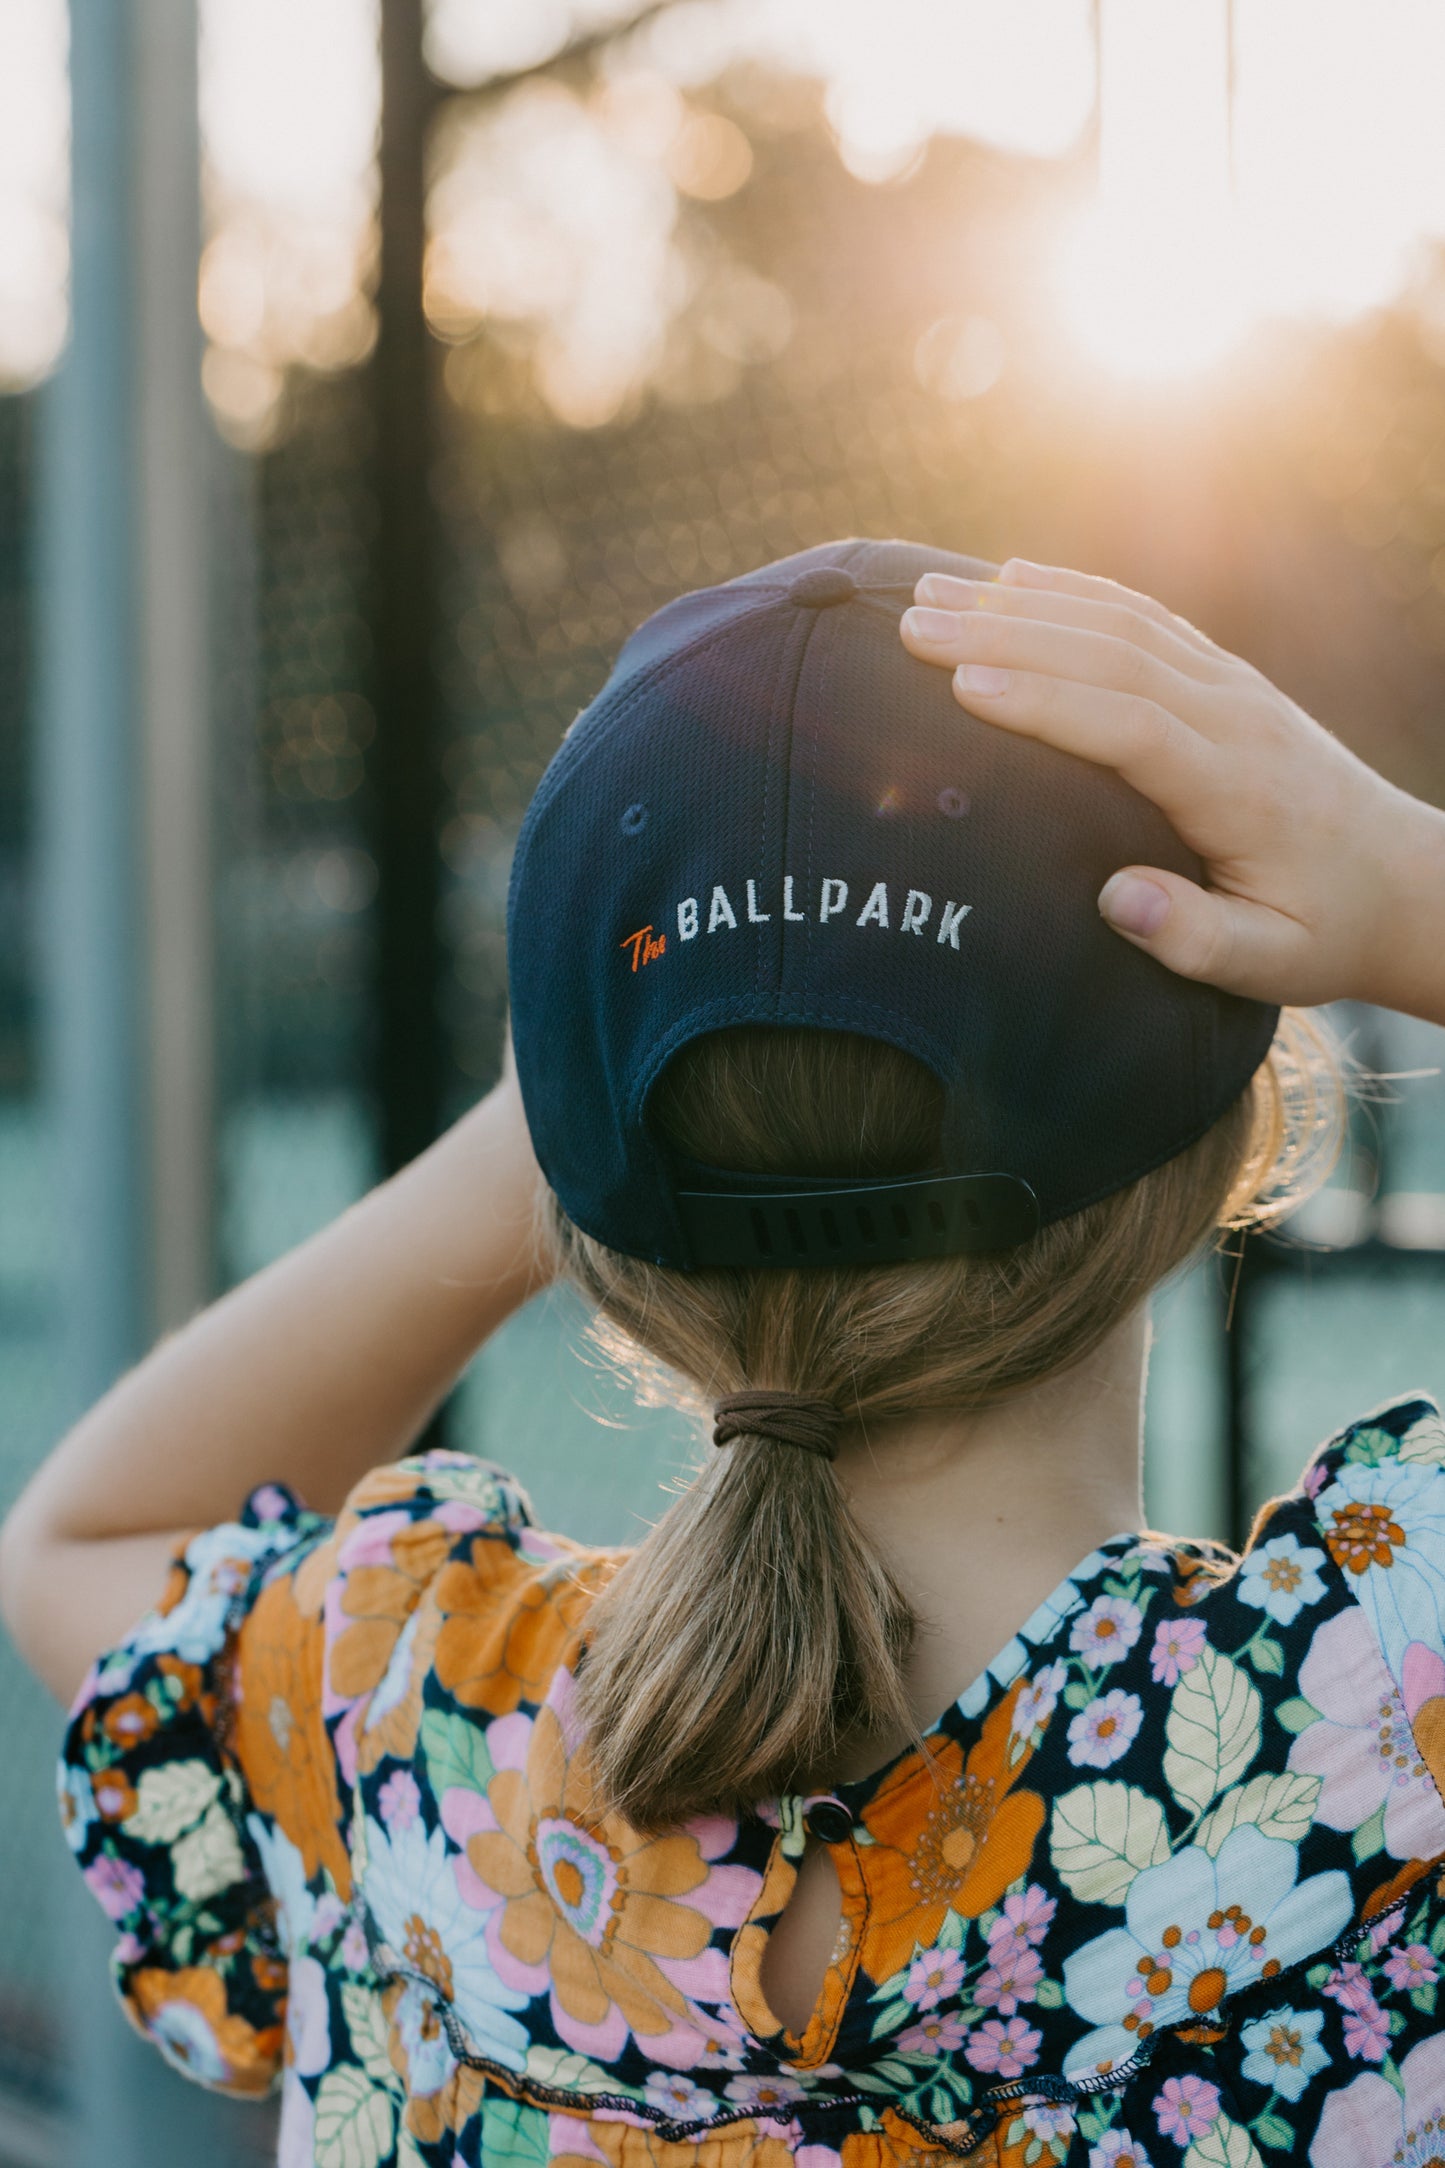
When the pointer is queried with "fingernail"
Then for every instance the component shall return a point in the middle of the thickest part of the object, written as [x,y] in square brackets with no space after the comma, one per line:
[1134,905]
[935,626]
[946,591]
[980,677]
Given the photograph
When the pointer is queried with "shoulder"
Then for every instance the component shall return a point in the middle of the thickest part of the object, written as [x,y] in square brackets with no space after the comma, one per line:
[438,1586]
[1376,1492]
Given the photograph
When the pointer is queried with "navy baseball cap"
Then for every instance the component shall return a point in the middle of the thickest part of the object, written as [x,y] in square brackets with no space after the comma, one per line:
[772,814]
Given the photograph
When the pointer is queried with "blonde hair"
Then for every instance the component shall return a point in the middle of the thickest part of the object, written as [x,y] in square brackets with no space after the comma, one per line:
[755,1627]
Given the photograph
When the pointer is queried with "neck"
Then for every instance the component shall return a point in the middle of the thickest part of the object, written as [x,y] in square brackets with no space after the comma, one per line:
[980,1516]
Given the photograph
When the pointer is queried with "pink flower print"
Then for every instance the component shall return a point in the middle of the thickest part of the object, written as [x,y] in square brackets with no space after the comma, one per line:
[399,1800]
[1178,1645]
[678,2097]
[1349,1987]
[1006,2049]
[327,1917]
[767,2097]
[1363,1748]
[353,1952]
[1108,1728]
[1314,1480]
[1106,1632]
[118,1885]
[1117,2149]
[1372,2120]
[1023,1920]
[1187,2108]
[1044,2120]
[1367,2029]
[269,1504]
[1412,1967]
[1367,2033]
[933,1977]
[1011,1979]
[1038,1699]
[940,2033]
[722,2047]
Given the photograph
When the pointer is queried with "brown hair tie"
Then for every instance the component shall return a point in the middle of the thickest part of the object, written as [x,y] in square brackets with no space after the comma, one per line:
[784,1418]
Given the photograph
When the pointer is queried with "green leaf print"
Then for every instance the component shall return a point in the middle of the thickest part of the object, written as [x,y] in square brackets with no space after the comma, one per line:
[354,2120]
[1102,1835]
[208,1859]
[1267,1656]
[1280,1806]
[513,2134]
[367,2028]
[951,1933]
[890,2019]
[1297,1714]
[518,2138]
[1273,2130]
[1369,1838]
[1368,1447]
[1227,2145]
[1213,1729]
[170,1800]
[455,1753]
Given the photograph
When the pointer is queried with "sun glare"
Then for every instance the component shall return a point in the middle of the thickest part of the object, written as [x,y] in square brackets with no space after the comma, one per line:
[1314,197]
[1310,186]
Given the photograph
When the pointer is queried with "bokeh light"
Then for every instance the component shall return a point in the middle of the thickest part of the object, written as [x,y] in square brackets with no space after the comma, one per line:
[34,190]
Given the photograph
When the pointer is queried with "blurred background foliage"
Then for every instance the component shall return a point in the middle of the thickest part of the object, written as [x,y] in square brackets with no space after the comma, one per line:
[708,282]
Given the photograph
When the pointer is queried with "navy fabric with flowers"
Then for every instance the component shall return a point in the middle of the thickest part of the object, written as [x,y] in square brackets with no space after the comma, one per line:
[1163,1885]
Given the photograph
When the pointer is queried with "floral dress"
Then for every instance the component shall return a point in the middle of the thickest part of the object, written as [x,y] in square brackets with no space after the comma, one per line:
[1163,1885]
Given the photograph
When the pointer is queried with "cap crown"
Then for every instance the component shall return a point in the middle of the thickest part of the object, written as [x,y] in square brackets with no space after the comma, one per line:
[773,814]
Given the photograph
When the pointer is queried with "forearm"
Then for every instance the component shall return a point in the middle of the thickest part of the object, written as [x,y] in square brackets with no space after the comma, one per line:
[324,1364]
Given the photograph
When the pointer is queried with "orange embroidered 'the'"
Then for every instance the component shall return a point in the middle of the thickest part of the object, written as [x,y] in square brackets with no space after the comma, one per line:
[645,945]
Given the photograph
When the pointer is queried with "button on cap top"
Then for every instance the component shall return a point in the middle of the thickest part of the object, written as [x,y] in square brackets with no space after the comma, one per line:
[823,586]
[829,1821]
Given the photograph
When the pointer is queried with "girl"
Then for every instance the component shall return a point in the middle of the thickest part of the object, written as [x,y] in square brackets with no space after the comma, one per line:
[900,1796]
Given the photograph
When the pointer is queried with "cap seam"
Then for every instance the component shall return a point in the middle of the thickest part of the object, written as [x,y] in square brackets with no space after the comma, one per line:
[581,750]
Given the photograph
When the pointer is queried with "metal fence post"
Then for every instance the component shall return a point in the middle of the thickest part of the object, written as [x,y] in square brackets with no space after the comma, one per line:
[123,817]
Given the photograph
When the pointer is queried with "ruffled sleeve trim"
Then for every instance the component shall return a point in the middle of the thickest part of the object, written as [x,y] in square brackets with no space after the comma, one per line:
[154,1809]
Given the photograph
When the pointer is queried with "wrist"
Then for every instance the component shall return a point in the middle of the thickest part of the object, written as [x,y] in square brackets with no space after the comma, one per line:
[1405,964]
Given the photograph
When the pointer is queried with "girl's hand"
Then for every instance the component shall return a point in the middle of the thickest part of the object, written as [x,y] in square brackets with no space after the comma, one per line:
[1324,881]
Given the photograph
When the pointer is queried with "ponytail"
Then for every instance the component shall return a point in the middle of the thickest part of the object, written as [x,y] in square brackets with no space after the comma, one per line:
[756,1629]
[753,1629]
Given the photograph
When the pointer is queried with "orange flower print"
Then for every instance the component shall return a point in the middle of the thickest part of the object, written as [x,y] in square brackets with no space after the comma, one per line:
[951,1835]
[617,1925]
[596,2144]
[496,1651]
[442,2095]
[376,1602]
[115,1796]
[1361,1535]
[186,1680]
[130,1720]
[280,1740]
[185,2014]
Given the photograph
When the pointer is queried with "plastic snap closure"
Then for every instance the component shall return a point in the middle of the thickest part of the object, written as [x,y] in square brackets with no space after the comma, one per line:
[829,1821]
[822,587]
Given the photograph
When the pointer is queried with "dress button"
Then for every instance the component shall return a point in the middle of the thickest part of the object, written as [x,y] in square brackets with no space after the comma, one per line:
[822,587]
[829,1821]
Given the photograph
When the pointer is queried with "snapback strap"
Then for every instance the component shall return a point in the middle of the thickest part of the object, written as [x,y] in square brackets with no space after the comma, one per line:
[858,1223]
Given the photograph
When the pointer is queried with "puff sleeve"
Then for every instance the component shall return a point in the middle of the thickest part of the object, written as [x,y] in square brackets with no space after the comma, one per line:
[157,1808]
